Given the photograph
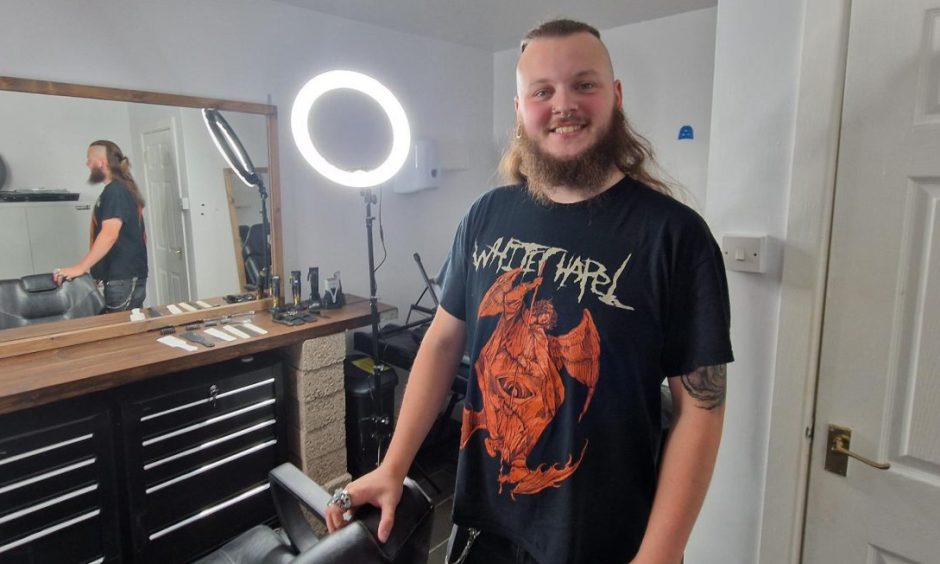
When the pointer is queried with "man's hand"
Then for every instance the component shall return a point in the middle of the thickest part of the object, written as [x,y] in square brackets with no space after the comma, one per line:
[60,275]
[380,488]
[110,229]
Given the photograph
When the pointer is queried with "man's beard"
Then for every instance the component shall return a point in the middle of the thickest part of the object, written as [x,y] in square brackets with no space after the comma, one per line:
[96,176]
[585,173]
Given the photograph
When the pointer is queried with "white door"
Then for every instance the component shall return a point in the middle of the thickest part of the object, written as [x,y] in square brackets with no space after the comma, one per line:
[165,235]
[879,371]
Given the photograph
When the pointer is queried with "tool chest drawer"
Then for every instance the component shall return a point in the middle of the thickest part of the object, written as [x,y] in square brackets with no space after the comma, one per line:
[58,495]
[197,448]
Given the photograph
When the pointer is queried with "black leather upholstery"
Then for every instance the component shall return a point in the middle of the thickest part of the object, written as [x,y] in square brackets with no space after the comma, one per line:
[357,543]
[259,544]
[37,299]
[252,252]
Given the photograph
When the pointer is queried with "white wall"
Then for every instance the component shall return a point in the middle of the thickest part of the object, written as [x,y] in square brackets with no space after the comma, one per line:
[757,73]
[665,66]
[44,139]
[248,49]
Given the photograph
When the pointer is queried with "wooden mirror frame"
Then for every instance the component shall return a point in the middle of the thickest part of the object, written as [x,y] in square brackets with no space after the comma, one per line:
[33,338]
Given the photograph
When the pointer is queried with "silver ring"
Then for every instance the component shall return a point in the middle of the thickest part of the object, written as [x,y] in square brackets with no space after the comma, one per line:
[341,499]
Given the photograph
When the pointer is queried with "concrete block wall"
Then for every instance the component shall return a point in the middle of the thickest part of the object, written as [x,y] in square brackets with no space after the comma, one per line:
[316,409]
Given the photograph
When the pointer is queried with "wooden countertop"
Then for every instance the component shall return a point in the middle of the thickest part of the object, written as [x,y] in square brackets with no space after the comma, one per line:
[46,376]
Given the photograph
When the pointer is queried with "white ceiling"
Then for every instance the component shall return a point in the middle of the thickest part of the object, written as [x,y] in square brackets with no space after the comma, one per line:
[494,25]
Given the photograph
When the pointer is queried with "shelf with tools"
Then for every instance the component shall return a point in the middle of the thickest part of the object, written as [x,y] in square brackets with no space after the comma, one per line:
[62,372]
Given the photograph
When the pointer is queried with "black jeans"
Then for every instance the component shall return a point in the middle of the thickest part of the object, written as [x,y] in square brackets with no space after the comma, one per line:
[486,548]
[123,295]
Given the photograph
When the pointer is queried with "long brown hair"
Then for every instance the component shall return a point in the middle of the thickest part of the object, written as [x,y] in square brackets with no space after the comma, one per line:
[120,168]
[635,158]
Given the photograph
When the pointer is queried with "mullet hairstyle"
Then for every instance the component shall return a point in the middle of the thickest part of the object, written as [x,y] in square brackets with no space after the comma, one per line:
[636,160]
[120,168]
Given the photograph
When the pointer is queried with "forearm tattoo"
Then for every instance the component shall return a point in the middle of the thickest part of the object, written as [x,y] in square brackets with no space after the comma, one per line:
[707,385]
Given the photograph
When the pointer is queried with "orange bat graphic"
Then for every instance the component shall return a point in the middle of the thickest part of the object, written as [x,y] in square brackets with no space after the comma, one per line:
[519,372]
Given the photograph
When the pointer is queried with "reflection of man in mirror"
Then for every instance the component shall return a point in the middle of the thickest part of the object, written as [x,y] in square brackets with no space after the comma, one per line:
[118,253]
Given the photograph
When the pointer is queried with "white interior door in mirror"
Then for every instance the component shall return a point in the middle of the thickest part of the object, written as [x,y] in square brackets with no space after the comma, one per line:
[167,242]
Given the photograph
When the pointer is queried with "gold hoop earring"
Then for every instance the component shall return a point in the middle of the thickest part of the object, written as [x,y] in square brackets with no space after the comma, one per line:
[518,131]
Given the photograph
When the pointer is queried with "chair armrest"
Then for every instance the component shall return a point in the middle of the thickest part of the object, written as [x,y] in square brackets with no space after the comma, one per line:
[411,534]
[292,489]
[409,538]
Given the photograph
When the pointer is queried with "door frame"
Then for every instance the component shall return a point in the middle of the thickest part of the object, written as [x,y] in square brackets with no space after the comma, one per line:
[824,49]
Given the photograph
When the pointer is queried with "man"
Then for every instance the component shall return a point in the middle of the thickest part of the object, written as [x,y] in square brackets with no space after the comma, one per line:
[118,253]
[580,288]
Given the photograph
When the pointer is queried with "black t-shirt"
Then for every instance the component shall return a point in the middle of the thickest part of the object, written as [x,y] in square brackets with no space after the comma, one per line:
[575,314]
[128,257]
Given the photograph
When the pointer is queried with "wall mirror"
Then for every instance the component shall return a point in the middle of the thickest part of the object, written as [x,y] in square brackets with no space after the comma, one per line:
[196,217]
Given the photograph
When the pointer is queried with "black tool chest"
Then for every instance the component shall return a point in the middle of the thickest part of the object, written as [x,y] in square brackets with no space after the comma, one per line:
[178,466]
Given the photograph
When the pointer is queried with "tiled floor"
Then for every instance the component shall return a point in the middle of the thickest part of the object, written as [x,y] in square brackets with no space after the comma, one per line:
[435,469]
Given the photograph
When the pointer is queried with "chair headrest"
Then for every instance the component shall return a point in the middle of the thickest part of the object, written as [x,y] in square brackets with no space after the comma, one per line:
[37,299]
[38,283]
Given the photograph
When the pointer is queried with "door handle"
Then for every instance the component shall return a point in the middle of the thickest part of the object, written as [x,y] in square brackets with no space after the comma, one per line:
[179,252]
[838,453]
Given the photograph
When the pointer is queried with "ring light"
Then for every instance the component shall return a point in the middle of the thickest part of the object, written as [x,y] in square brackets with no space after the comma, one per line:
[230,146]
[237,158]
[334,80]
[380,420]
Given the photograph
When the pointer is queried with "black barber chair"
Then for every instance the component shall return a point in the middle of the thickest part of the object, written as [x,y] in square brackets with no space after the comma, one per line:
[355,543]
[253,247]
[37,299]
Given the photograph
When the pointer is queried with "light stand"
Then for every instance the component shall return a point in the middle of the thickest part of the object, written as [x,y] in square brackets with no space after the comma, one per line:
[381,421]
[369,197]
[238,160]
[265,274]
